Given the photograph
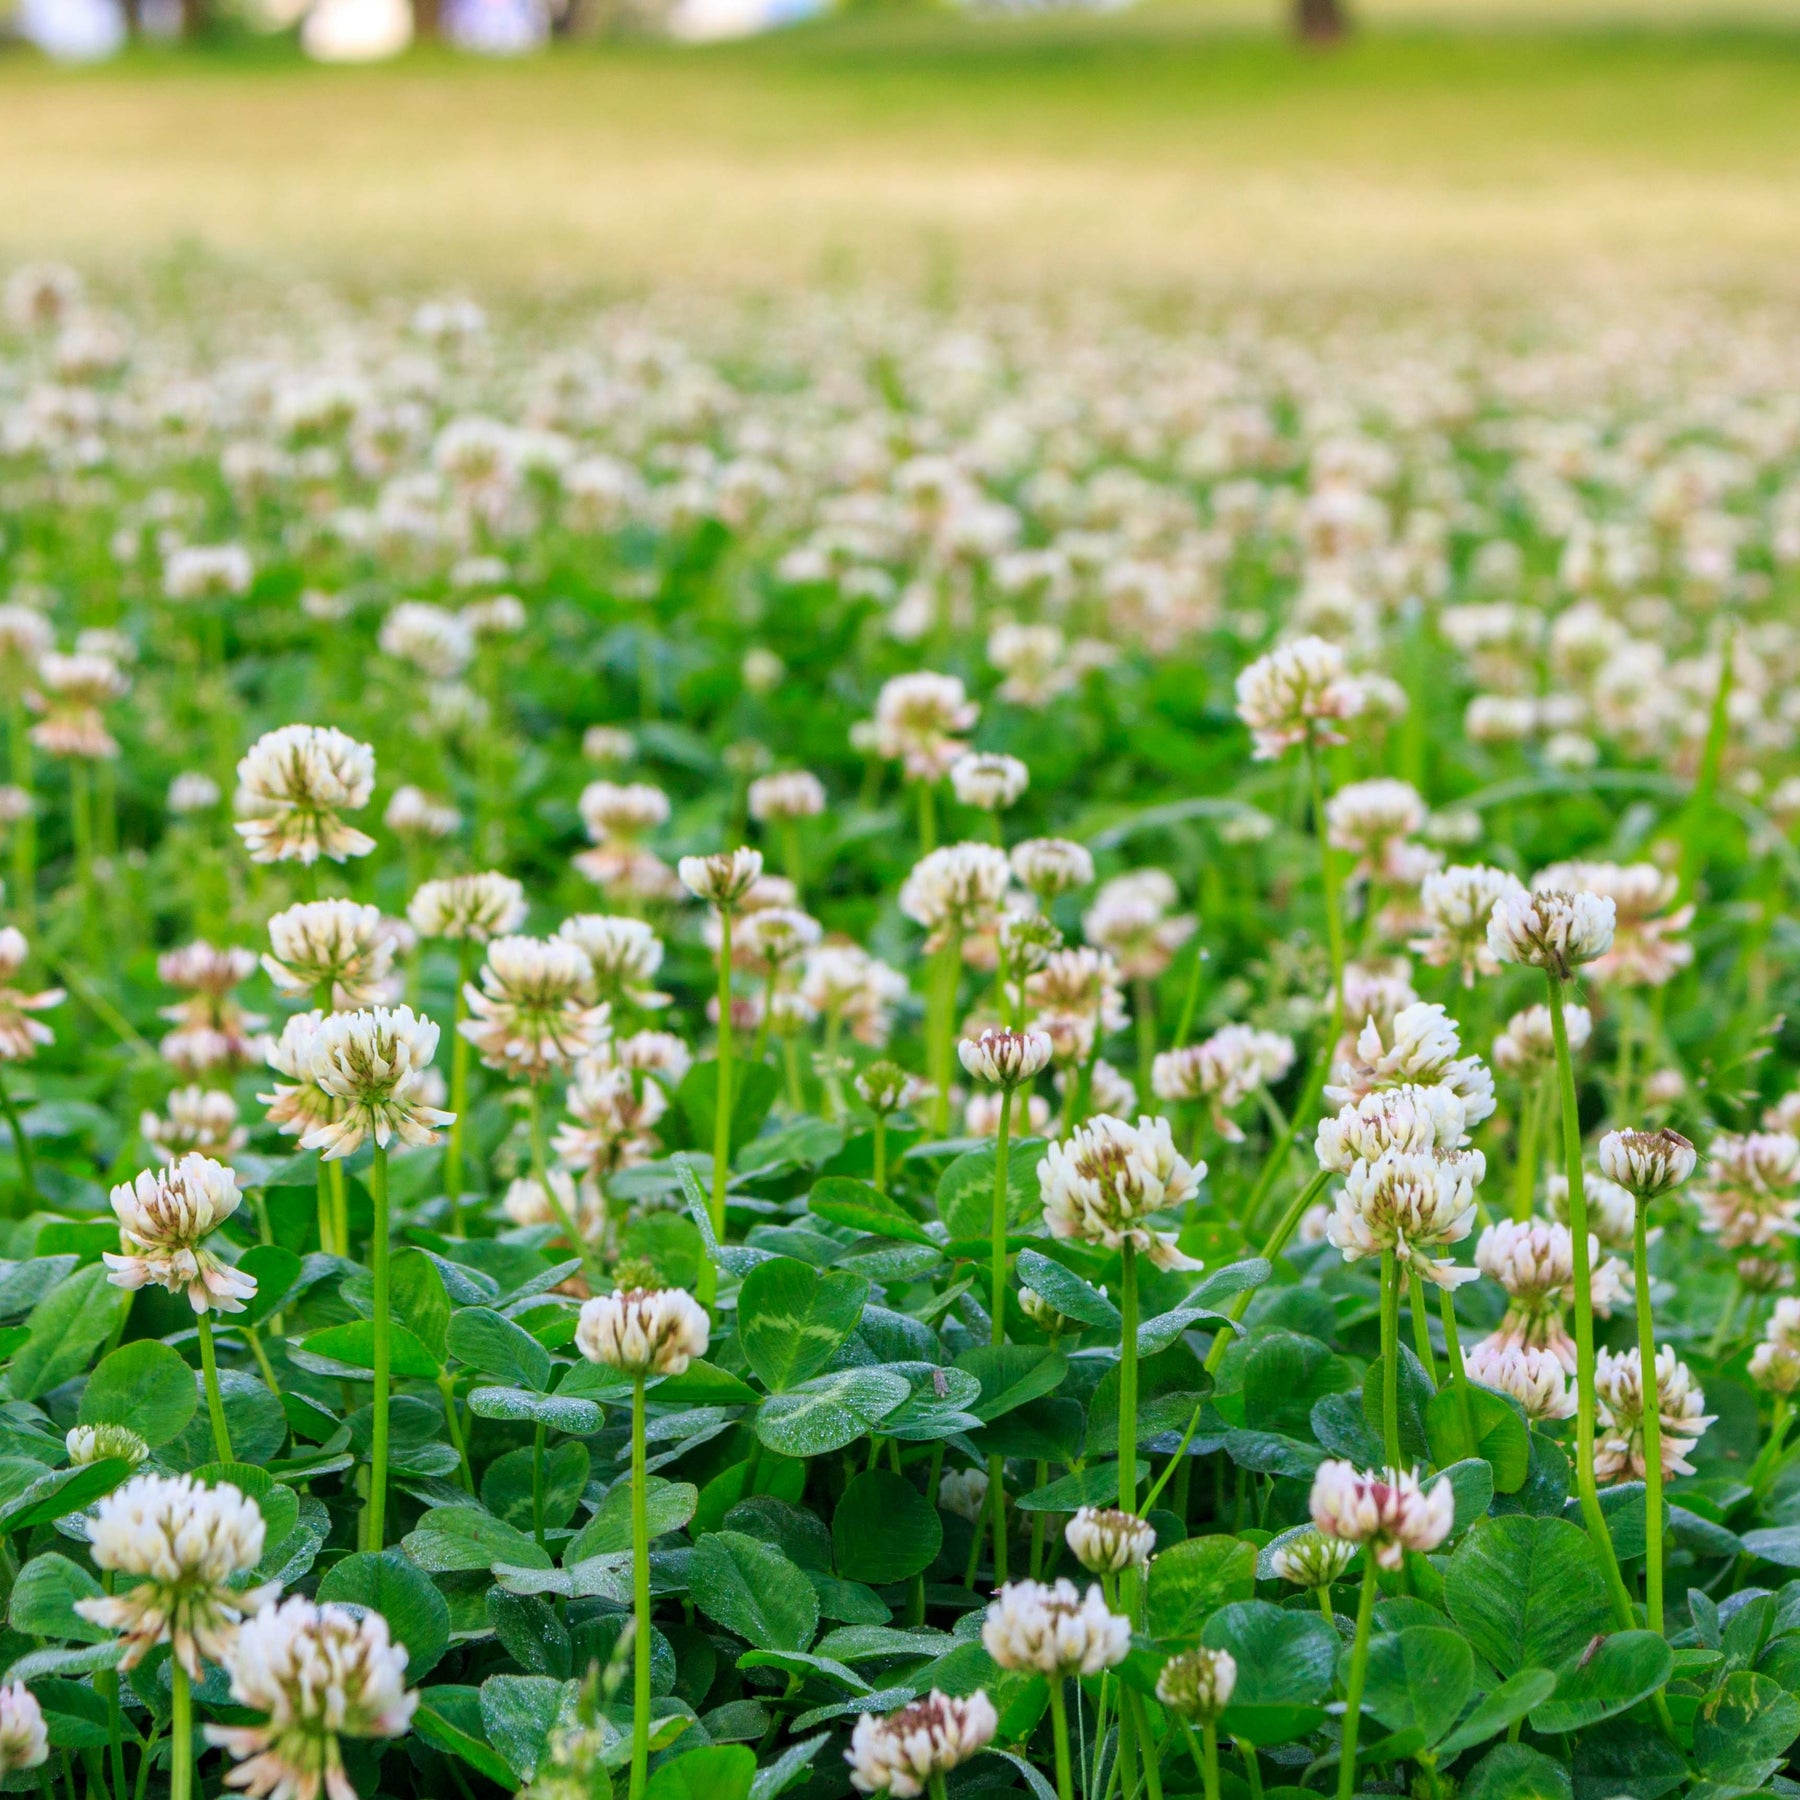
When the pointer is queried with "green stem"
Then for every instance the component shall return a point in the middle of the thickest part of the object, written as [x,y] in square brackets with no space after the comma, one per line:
[1328,872]
[1273,1246]
[999,1219]
[1525,1163]
[941,1049]
[537,1483]
[327,1229]
[24,843]
[1421,1323]
[1700,803]
[881,1153]
[1209,1760]
[996,1466]
[721,1107]
[927,819]
[115,1719]
[375,1508]
[459,1090]
[1771,1451]
[209,1375]
[1653,1470]
[1059,1731]
[1390,1358]
[640,1600]
[1594,1518]
[446,1387]
[22,1145]
[1459,1376]
[340,1207]
[181,1733]
[1128,1377]
[1359,1666]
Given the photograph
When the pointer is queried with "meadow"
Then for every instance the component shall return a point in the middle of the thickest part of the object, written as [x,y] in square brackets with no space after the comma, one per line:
[905,912]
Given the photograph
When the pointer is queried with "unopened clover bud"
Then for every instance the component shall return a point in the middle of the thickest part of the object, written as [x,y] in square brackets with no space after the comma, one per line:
[1647,1163]
[1005,1059]
[882,1086]
[96,1443]
[1106,1539]
[1044,1315]
[1312,1560]
[1198,1684]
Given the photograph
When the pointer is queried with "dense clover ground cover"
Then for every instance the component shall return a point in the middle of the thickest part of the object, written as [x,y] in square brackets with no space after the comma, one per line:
[750,1051]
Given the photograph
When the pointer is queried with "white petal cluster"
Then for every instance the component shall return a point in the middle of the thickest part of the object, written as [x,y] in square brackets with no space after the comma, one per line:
[101,1443]
[1224,1070]
[1647,949]
[1198,1684]
[1532,1376]
[1647,1163]
[184,1544]
[1411,1202]
[1054,1630]
[534,1012]
[1750,1195]
[787,794]
[613,1119]
[1106,1180]
[988,781]
[319,1673]
[1133,920]
[1419,1047]
[198,1118]
[1312,1560]
[1386,1510]
[1456,904]
[901,1752]
[1619,1390]
[24,1742]
[295,785]
[413,813]
[1048,867]
[958,888]
[1005,1059]
[643,1332]
[964,1492]
[1528,1044]
[1775,1362]
[477,907]
[918,722]
[1106,1539]
[163,1216]
[1415,1119]
[330,947]
[1298,693]
[1551,930]
[373,1065]
[22,1033]
[721,880]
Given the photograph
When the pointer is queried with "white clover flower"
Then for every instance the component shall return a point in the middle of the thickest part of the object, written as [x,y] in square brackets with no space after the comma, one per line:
[295,785]
[1646,948]
[643,1332]
[1131,920]
[1110,1090]
[1298,693]
[612,810]
[988,781]
[900,1753]
[98,1443]
[1551,930]
[772,938]
[1416,1119]
[1619,1390]
[207,572]
[24,1742]
[1366,818]
[163,1216]
[722,880]
[204,1119]
[1647,1163]
[413,813]
[613,1119]
[1419,1047]
[299,1104]
[1054,1630]
[845,982]
[958,888]
[625,954]
[437,642]
[1412,1203]
[320,1673]
[1224,1070]
[1080,982]
[1312,1560]
[334,947]
[1052,866]
[1198,1684]
[1005,1059]
[192,792]
[1776,1367]
[917,721]
[21,1033]
[374,1065]
[787,794]
[1386,1510]
[1528,1044]
[476,907]
[186,1544]
[533,1012]
[1106,1180]
[74,690]
[1106,1539]
[1532,1376]
[964,1492]
[1750,1195]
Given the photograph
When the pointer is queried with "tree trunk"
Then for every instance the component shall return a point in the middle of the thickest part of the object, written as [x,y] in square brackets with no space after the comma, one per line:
[1320,21]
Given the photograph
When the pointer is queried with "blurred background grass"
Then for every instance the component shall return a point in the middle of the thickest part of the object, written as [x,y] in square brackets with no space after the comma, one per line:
[1183,145]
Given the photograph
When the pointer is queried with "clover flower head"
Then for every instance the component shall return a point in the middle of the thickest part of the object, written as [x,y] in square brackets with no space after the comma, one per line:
[1198,1684]
[1532,1376]
[337,947]
[1005,1059]
[1048,867]
[899,1753]
[1528,1044]
[1619,1452]
[643,1332]
[1105,1539]
[1647,1163]
[1054,1630]
[988,781]
[958,888]
[374,1064]
[164,1215]
[722,880]
[1409,1118]
[476,907]
[1411,1202]
[1385,1510]
[1551,930]
[1106,1180]
[1298,693]
[24,1741]
[1310,1559]
[198,1118]
[918,721]
[1419,1047]
[533,1012]
[185,1544]
[98,1443]
[22,1033]
[294,786]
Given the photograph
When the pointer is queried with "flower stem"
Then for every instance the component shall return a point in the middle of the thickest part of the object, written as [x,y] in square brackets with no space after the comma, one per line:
[1653,1470]
[998,1311]
[21,1144]
[1421,1323]
[1591,1514]
[375,1509]
[1390,1358]
[24,843]
[181,1733]
[881,1153]
[943,1030]
[459,1090]
[1770,1456]
[446,1386]
[1328,873]
[1128,1377]
[1209,1760]
[327,1231]
[1273,1246]
[1525,1162]
[996,1494]
[721,1161]
[927,819]
[1359,1666]
[209,1374]
[340,1207]
[640,1600]
[1059,1731]
[1459,1376]
[537,1484]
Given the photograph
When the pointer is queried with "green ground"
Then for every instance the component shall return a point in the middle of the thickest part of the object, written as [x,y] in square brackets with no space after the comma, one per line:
[1169,146]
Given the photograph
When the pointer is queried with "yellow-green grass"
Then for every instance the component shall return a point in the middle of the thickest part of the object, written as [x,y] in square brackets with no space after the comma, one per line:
[1178,146]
